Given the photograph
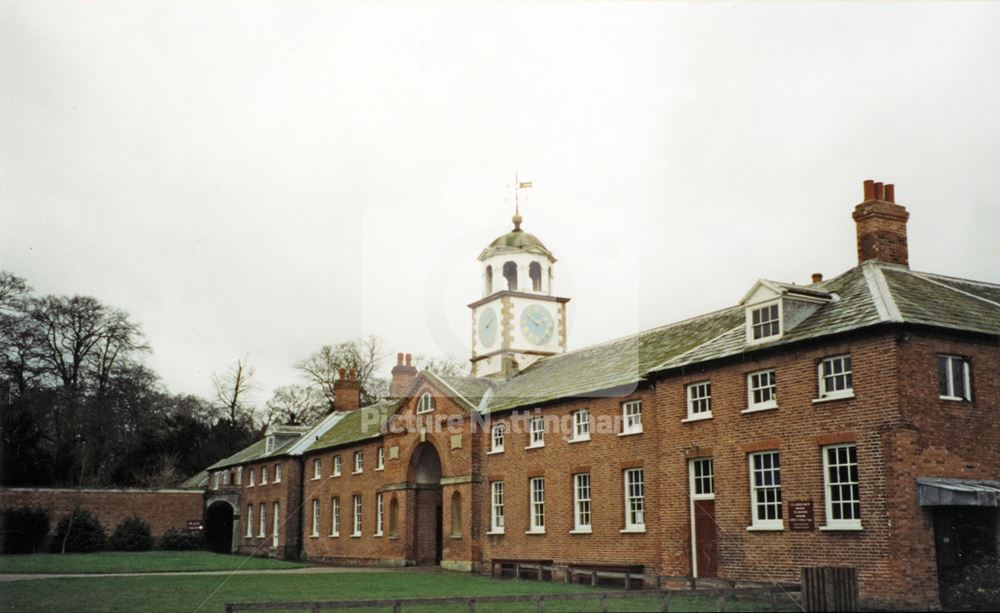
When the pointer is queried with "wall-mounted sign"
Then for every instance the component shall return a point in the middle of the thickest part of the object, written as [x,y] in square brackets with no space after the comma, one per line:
[194,524]
[800,515]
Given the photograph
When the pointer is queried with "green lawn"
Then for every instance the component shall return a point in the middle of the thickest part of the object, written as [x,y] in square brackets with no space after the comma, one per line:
[211,592]
[133,562]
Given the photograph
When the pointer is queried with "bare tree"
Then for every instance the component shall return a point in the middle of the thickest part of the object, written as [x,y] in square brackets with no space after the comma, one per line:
[447,366]
[296,405]
[232,388]
[365,355]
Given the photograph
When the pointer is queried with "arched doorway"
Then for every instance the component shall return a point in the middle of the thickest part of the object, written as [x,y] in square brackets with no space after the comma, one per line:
[425,474]
[219,527]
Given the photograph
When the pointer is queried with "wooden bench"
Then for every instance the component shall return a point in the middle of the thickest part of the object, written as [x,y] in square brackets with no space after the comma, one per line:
[522,569]
[603,574]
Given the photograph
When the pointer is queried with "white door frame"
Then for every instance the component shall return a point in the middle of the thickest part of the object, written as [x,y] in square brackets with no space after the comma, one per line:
[692,497]
[276,525]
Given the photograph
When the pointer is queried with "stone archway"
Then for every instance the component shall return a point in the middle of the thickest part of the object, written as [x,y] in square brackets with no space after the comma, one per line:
[427,514]
[219,527]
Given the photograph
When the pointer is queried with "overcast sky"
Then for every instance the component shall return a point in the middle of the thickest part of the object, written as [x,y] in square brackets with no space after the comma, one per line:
[262,178]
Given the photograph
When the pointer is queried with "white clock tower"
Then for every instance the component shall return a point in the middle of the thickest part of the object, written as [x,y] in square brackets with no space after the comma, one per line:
[518,320]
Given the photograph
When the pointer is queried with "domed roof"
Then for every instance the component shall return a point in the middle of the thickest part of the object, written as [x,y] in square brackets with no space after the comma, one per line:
[516,240]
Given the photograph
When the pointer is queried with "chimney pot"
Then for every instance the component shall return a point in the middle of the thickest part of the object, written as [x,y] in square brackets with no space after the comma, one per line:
[817,277]
[353,374]
[343,371]
[879,191]
[869,189]
[409,356]
[399,359]
[890,192]
[402,376]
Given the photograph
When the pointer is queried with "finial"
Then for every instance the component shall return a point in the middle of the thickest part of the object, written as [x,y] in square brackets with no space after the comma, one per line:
[517,222]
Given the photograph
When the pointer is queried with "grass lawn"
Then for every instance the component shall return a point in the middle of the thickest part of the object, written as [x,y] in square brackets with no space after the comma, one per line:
[166,593]
[133,562]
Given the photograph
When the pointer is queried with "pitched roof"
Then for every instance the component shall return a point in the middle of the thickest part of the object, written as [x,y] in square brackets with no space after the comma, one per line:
[252,453]
[468,390]
[360,425]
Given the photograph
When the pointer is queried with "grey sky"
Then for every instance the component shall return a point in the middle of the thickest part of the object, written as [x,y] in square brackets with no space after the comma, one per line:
[263,178]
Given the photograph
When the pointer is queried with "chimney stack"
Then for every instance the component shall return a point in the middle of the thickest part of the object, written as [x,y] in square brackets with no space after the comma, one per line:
[817,277]
[347,391]
[402,375]
[881,226]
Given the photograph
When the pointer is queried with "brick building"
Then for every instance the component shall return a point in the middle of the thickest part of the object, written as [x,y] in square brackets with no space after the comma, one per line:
[850,421]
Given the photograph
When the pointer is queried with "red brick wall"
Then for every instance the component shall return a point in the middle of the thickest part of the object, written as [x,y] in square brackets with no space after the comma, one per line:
[288,495]
[163,509]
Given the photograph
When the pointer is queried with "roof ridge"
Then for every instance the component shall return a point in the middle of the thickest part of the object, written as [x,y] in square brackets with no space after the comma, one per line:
[955,289]
[923,273]
[881,295]
[440,379]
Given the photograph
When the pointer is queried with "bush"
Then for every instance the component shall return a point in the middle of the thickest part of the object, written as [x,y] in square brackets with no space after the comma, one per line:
[182,540]
[24,529]
[979,588]
[132,535]
[85,533]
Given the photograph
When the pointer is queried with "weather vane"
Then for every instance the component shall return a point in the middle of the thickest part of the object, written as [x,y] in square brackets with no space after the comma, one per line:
[518,186]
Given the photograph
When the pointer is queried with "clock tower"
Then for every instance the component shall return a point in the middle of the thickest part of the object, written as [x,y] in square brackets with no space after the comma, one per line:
[518,320]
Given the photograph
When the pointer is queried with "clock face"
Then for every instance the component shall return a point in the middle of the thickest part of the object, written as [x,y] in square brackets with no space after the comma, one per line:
[487,327]
[537,324]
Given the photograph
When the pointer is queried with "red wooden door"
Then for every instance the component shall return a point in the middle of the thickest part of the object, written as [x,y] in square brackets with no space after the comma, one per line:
[705,537]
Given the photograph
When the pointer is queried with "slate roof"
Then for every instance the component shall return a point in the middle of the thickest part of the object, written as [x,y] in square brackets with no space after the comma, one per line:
[360,425]
[254,452]
[471,390]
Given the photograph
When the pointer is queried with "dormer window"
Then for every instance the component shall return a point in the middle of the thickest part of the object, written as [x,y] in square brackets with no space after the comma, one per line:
[426,403]
[269,444]
[765,322]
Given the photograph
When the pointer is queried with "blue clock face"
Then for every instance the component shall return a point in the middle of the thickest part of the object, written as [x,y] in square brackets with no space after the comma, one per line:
[537,324]
[487,327]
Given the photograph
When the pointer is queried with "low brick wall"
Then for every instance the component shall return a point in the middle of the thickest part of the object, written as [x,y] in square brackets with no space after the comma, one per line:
[163,509]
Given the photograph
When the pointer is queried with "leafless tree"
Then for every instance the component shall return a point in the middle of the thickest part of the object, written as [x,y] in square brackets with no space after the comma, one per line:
[232,388]
[365,355]
[447,366]
[296,405]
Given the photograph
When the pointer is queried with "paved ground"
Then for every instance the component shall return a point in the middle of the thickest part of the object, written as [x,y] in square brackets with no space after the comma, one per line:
[308,570]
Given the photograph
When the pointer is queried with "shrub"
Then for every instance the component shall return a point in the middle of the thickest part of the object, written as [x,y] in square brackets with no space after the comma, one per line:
[132,534]
[979,588]
[85,533]
[181,540]
[24,529]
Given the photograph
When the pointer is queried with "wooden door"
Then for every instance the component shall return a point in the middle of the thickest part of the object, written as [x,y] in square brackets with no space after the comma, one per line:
[706,553]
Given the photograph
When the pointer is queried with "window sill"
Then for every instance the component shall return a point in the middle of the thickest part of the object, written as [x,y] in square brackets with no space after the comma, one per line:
[314,536]
[355,536]
[314,479]
[581,531]
[844,528]
[495,451]
[455,537]
[495,533]
[542,531]
[535,446]
[579,440]
[954,399]
[336,475]
[357,472]
[760,409]
[378,535]
[633,530]
[630,433]
[277,482]
[393,537]
[335,536]
[832,398]
[380,468]
[765,528]
[694,418]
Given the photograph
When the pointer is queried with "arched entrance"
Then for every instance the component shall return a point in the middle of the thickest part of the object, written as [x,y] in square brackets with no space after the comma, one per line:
[425,474]
[219,527]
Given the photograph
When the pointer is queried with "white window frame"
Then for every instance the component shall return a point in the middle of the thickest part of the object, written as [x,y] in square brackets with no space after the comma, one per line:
[335,516]
[225,477]
[378,514]
[852,484]
[269,444]
[845,364]
[249,521]
[253,474]
[582,508]
[239,475]
[317,468]
[426,403]
[699,394]
[581,426]
[380,458]
[950,378]
[357,515]
[262,532]
[263,475]
[631,418]
[699,478]
[496,507]
[536,432]
[315,517]
[277,473]
[536,505]
[359,463]
[498,434]
[635,499]
[776,304]
[276,527]
[766,405]
[757,523]
[336,465]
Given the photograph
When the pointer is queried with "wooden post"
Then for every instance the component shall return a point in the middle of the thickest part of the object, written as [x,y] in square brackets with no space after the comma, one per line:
[541,600]
[396,608]
[722,602]
[593,579]
[517,570]
[604,602]
[568,574]
[664,601]
[540,572]
[472,605]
